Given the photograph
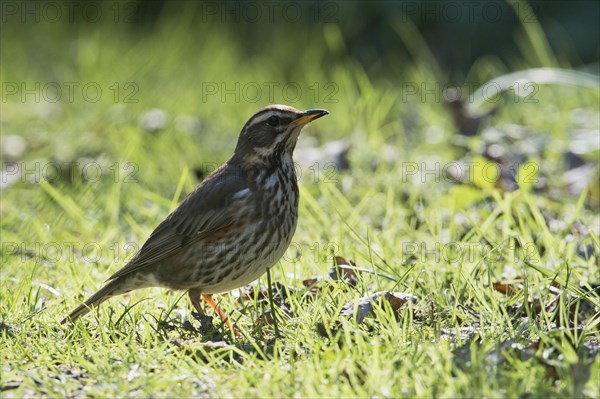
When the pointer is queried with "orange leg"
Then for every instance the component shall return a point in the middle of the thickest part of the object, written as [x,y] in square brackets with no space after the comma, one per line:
[218,311]
[194,298]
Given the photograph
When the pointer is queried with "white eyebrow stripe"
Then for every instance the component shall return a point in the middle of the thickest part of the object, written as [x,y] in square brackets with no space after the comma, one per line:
[277,110]
[263,117]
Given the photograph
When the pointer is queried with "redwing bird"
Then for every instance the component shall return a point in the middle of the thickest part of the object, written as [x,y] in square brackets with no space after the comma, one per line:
[237,223]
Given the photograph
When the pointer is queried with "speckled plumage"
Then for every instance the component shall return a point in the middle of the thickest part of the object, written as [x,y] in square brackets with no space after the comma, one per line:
[237,223]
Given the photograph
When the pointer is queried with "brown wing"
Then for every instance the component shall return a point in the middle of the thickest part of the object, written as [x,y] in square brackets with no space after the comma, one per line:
[206,209]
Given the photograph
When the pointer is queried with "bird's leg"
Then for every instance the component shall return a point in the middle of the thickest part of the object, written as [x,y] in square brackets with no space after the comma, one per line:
[194,294]
[272,302]
[213,304]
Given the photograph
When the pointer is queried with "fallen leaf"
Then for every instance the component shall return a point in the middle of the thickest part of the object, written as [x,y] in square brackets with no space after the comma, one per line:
[507,289]
[344,270]
[362,307]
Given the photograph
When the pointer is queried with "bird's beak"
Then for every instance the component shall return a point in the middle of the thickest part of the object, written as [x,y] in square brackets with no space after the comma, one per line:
[309,116]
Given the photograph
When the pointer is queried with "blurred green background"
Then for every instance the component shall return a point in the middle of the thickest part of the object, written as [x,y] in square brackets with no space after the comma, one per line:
[77,75]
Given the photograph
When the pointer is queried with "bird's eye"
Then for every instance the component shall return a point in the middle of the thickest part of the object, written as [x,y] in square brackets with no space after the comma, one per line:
[273,120]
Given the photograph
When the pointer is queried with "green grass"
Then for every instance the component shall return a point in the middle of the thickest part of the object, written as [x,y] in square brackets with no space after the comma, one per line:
[443,242]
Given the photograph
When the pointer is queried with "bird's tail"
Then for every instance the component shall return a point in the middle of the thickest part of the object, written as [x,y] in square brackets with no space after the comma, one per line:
[114,287]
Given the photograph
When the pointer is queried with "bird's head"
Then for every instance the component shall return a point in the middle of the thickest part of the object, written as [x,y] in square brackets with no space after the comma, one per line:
[271,133]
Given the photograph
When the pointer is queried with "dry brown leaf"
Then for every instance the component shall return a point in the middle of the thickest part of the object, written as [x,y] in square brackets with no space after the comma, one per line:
[344,270]
[362,307]
[507,289]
